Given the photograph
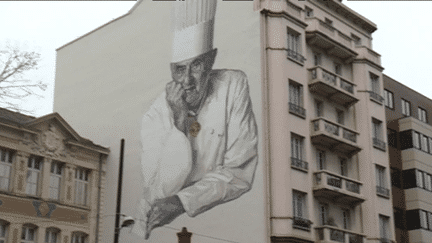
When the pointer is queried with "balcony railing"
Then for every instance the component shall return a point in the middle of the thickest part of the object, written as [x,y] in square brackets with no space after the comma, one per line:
[299,164]
[382,191]
[337,188]
[334,135]
[296,56]
[376,97]
[332,234]
[297,110]
[302,223]
[379,144]
[333,86]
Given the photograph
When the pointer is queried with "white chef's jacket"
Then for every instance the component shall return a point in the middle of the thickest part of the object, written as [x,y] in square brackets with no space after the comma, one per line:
[215,167]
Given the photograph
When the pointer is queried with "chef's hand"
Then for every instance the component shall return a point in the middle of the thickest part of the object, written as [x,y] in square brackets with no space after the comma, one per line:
[174,97]
[163,212]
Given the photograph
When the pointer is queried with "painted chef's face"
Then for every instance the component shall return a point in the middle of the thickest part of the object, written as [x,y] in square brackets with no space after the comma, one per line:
[193,76]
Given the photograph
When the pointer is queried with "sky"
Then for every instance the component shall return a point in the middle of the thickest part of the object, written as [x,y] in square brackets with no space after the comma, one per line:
[403,37]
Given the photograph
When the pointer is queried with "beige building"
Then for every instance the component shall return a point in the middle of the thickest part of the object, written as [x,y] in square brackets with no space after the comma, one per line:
[316,89]
[325,125]
[51,181]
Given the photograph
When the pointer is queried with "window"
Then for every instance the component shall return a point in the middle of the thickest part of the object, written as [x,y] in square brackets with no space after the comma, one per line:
[81,186]
[346,219]
[416,140]
[428,185]
[423,219]
[343,166]
[384,227]
[430,220]
[392,137]
[375,85]
[321,159]
[299,204]
[323,213]
[399,220]
[388,99]
[376,128]
[319,110]
[424,143]
[309,12]
[430,145]
[5,169]
[317,58]
[338,68]
[406,108]
[28,234]
[422,115]
[328,21]
[419,179]
[356,39]
[296,99]
[55,183]
[381,181]
[3,231]
[33,175]
[294,46]
[52,235]
[340,117]
[79,237]
[296,147]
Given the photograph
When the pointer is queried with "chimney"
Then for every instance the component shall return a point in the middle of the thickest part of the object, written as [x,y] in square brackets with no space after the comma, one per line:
[184,236]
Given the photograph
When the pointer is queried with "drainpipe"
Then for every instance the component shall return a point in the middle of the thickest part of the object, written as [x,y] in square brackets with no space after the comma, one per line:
[99,198]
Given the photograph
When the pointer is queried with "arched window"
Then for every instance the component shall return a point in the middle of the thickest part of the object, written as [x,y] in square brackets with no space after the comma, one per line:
[29,233]
[6,158]
[79,237]
[52,235]
[4,226]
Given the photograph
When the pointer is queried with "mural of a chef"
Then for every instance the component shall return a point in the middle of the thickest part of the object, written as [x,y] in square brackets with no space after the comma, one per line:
[199,137]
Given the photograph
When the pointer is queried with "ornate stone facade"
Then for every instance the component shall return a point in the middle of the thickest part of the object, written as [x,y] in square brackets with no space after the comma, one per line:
[41,188]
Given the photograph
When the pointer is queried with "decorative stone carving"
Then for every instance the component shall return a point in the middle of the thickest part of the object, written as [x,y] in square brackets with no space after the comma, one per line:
[49,143]
[44,209]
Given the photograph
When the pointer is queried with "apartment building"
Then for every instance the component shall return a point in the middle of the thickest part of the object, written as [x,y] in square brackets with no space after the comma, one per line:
[329,169]
[51,181]
[409,131]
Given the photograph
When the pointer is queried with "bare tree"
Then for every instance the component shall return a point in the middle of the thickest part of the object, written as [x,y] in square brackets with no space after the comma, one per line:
[13,64]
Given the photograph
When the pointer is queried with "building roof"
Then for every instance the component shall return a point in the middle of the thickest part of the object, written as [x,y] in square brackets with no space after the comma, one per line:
[26,122]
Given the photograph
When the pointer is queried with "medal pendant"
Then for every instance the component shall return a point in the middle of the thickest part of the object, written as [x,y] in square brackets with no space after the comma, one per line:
[194,129]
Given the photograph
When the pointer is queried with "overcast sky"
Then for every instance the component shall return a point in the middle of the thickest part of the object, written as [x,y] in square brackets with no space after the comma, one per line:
[403,38]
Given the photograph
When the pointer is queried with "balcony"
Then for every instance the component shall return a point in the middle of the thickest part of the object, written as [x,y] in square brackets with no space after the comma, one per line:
[379,144]
[301,223]
[383,192]
[369,55]
[332,234]
[376,97]
[297,110]
[332,86]
[327,38]
[334,136]
[337,188]
[299,164]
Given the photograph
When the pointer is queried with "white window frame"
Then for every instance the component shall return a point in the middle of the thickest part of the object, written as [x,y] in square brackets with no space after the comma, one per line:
[422,114]
[294,41]
[377,129]
[6,160]
[381,178]
[55,180]
[81,186]
[28,234]
[346,216]
[323,211]
[343,162]
[420,179]
[317,58]
[79,237]
[424,143]
[299,204]
[296,94]
[406,107]
[297,146]
[52,235]
[428,182]
[34,169]
[416,140]
[384,224]
[388,99]
[321,159]
[375,83]
[423,215]
[430,220]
